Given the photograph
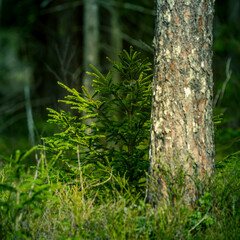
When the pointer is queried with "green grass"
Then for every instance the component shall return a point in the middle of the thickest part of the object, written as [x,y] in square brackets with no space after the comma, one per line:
[39,208]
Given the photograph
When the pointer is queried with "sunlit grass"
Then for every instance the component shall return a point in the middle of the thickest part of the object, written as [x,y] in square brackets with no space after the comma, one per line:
[112,210]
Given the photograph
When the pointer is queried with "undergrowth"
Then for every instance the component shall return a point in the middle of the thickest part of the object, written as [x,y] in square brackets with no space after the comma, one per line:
[89,179]
[34,208]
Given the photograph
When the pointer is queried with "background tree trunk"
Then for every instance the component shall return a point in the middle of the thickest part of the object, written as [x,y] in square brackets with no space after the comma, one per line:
[116,39]
[182,93]
[90,41]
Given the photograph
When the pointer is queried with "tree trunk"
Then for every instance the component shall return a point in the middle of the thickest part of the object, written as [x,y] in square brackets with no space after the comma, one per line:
[181,144]
[91,40]
[116,39]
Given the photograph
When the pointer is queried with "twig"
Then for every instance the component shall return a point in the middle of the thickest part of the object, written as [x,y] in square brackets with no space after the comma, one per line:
[205,216]
[81,179]
[220,93]
[101,183]
[45,160]
[37,169]
[54,73]
[127,5]
[30,121]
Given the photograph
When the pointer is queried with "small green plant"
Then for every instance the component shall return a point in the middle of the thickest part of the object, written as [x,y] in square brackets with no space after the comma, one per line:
[20,194]
[111,126]
[201,217]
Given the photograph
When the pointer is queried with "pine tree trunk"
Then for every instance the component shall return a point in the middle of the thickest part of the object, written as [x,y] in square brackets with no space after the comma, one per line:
[182,94]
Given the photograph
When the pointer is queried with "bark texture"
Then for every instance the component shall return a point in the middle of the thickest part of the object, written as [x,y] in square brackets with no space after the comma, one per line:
[182,94]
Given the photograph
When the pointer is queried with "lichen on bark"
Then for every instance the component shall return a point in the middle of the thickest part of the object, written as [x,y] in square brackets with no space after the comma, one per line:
[182,93]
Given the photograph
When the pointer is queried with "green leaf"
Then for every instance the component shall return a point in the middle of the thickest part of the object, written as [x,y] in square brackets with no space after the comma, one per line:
[96,71]
[29,152]
[86,91]
[5,187]
[64,86]
[95,94]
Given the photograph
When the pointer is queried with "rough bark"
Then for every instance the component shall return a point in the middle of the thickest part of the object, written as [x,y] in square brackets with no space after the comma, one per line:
[182,92]
[91,40]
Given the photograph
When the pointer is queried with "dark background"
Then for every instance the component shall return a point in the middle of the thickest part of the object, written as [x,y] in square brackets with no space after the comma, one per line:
[43,40]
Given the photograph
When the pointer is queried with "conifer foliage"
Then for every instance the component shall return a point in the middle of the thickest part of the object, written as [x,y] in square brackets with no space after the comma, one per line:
[111,127]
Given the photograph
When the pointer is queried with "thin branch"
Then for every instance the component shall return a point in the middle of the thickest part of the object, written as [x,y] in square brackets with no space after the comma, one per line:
[62,7]
[101,183]
[195,226]
[53,72]
[220,93]
[138,43]
[127,5]
[80,175]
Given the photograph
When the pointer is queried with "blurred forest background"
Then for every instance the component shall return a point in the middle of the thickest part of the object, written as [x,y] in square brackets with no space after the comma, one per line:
[45,41]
